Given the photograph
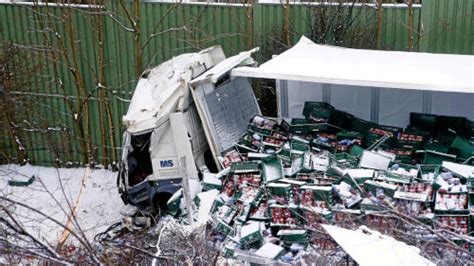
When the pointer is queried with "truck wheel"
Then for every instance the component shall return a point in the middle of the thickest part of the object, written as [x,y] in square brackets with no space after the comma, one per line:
[159,202]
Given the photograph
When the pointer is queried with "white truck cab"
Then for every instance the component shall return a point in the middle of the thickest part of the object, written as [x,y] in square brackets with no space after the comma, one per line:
[185,108]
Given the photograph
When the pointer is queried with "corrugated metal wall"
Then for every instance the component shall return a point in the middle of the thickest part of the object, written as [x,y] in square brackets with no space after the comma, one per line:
[360,29]
[76,92]
[448,26]
[89,58]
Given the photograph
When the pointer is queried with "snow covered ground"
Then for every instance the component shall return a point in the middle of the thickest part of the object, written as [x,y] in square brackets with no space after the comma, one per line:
[99,204]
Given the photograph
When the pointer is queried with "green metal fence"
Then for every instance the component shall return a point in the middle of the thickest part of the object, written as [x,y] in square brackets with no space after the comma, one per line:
[448,26]
[89,58]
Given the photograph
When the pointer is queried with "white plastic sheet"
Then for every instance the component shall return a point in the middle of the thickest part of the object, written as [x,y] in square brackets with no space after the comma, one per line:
[453,104]
[368,247]
[356,101]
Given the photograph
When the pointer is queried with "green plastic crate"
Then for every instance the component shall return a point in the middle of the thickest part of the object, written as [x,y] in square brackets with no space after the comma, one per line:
[426,169]
[448,211]
[410,139]
[245,167]
[388,188]
[344,160]
[423,122]
[224,228]
[435,157]
[300,121]
[272,168]
[317,109]
[360,125]
[465,147]
[293,236]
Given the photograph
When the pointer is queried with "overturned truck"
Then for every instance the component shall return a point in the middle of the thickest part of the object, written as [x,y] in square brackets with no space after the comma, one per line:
[183,114]
[282,183]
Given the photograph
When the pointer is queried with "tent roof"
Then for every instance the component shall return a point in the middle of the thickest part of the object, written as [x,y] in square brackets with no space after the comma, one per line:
[307,61]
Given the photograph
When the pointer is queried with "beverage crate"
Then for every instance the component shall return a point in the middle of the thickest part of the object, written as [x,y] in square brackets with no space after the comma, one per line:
[230,157]
[402,155]
[345,217]
[299,145]
[381,222]
[313,217]
[307,200]
[423,122]
[360,125]
[403,169]
[293,236]
[210,181]
[282,215]
[320,193]
[302,129]
[435,153]
[224,228]
[452,203]
[250,195]
[244,213]
[357,177]
[344,160]
[226,214]
[272,168]
[381,130]
[411,139]
[316,178]
[279,189]
[388,188]
[455,223]
[427,172]
[245,167]
[465,147]
[317,111]
[398,179]
[250,233]
[344,134]
[294,166]
[295,188]
[259,213]
[261,131]
[300,121]
[273,142]
[245,145]
[262,122]
[368,206]
[423,192]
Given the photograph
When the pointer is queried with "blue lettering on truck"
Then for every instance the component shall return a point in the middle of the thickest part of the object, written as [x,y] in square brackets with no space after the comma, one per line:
[166,163]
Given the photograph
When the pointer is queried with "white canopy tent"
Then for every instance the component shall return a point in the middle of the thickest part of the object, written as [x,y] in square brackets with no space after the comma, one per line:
[381,86]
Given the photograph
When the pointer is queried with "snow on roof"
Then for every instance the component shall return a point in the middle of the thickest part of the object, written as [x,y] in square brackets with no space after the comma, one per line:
[369,247]
[307,61]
